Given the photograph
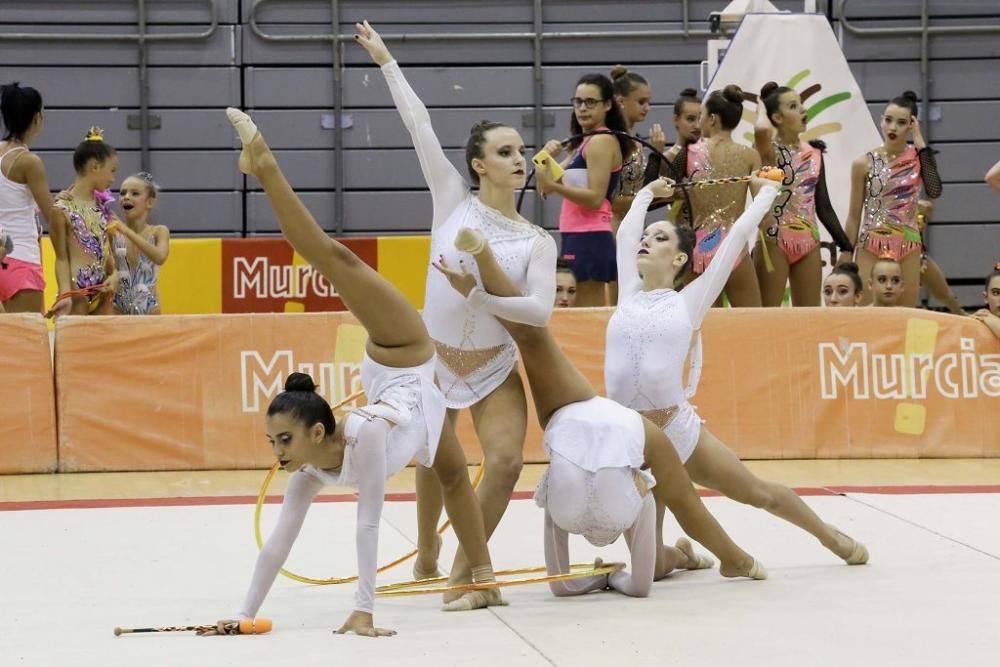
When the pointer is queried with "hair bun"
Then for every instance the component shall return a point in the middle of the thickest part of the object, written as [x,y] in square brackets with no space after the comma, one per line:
[767,89]
[910,95]
[618,71]
[733,93]
[848,266]
[484,126]
[300,382]
[689,92]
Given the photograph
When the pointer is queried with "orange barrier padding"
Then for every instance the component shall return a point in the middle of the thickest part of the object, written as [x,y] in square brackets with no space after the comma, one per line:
[786,383]
[27,398]
[180,392]
[183,392]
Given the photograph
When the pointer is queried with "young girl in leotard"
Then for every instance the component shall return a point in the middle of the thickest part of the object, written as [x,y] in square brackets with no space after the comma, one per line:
[714,209]
[885,187]
[88,213]
[140,248]
[790,251]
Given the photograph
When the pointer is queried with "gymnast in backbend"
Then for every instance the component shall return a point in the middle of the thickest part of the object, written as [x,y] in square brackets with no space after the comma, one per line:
[604,456]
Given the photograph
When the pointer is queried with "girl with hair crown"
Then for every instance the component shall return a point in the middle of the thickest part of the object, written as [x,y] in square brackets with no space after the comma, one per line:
[88,214]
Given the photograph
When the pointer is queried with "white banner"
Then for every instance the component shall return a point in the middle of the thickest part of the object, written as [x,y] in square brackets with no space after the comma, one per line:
[800,51]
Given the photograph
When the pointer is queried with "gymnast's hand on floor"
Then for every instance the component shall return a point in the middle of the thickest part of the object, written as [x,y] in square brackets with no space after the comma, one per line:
[372,41]
[362,623]
[461,280]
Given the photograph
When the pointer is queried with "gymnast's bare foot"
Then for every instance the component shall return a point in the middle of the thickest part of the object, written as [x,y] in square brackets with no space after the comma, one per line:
[427,568]
[256,156]
[480,599]
[745,567]
[693,559]
[848,548]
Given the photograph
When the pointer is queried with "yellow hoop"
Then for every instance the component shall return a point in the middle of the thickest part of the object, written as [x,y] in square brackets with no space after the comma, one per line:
[336,580]
[585,570]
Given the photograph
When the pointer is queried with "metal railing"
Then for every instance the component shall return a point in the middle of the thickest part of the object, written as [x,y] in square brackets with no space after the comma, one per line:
[142,38]
[925,31]
[537,36]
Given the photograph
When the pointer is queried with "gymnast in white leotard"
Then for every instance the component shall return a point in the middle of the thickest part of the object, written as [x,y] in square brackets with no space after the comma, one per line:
[476,358]
[655,328]
[597,485]
[404,420]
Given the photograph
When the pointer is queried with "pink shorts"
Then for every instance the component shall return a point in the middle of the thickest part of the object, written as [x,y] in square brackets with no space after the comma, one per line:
[20,276]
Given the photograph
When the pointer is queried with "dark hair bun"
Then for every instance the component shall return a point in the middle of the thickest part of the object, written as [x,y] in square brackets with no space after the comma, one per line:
[300,382]
[850,267]
[618,71]
[910,95]
[733,93]
[481,127]
[689,92]
[767,89]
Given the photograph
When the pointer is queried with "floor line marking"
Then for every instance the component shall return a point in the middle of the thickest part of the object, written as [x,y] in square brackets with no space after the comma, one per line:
[921,526]
[179,501]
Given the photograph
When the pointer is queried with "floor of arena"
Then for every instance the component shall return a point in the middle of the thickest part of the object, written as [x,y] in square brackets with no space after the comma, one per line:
[151,549]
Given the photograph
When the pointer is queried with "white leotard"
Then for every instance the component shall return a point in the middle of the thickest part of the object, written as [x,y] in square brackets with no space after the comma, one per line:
[591,488]
[375,448]
[475,353]
[651,332]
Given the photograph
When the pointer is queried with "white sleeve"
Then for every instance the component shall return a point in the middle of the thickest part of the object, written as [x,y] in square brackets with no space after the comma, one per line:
[628,240]
[369,459]
[557,562]
[706,288]
[641,540]
[447,186]
[534,308]
[302,488]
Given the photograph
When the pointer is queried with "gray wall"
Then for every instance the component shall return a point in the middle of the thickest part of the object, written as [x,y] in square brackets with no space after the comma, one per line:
[289,87]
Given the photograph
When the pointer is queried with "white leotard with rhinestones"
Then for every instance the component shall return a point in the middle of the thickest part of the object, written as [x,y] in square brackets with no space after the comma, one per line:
[592,488]
[475,353]
[374,449]
[651,332]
